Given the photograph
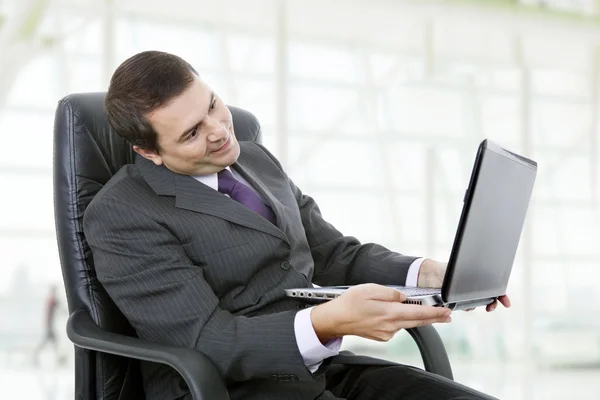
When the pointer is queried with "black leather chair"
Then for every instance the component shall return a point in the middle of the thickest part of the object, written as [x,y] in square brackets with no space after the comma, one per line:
[86,155]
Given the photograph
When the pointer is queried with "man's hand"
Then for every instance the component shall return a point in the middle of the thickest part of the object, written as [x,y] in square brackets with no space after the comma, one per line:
[372,311]
[431,274]
[504,300]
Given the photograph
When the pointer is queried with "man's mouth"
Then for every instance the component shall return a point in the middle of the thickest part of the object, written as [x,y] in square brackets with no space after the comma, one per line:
[224,146]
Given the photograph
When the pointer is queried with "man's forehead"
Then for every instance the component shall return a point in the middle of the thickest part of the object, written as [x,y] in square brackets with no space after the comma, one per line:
[190,105]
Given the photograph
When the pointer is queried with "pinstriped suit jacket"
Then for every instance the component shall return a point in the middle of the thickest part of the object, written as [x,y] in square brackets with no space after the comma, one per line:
[191,267]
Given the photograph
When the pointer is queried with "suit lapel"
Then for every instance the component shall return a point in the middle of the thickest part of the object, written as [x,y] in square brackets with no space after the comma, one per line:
[195,196]
[242,166]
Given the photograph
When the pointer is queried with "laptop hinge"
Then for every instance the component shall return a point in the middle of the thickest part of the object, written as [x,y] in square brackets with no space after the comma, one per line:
[465,305]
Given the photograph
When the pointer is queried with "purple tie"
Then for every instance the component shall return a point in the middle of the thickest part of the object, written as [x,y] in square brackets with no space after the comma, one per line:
[242,193]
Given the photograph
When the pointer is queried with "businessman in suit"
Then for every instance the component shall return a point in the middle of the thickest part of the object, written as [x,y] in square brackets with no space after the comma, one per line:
[196,241]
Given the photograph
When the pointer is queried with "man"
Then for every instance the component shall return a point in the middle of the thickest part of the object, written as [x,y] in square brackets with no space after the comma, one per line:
[198,239]
[51,306]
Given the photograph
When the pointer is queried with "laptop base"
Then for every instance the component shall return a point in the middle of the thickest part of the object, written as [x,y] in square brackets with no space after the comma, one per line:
[417,296]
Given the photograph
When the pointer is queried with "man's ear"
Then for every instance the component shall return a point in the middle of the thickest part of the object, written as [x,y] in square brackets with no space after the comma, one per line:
[148,154]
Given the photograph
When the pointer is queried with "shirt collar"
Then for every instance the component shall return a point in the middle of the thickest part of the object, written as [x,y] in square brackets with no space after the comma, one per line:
[211,180]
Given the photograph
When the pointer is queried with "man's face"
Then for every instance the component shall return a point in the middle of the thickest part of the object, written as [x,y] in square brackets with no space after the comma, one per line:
[195,133]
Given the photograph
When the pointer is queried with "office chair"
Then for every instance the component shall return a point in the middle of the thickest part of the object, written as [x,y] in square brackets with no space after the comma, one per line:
[107,351]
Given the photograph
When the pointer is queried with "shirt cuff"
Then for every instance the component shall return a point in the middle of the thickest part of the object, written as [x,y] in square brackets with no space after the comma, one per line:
[312,350]
[412,278]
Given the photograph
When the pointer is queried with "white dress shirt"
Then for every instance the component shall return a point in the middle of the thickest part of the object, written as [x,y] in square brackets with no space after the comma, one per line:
[310,347]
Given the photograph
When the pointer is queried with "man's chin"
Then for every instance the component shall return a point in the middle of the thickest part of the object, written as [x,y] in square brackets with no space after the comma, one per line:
[234,153]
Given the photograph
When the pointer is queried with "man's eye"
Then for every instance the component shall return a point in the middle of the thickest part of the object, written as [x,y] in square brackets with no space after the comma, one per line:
[214,104]
[194,133]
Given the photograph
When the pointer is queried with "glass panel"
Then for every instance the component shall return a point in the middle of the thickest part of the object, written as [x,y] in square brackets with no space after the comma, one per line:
[446,215]
[549,274]
[578,6]
[26,138]
[505,79]
[561,83]
[259,95]
[561,124]
[322,109]
[28,263]
[475,41]
[324,63]
[251,54]
[407,163]
[220,84]
[30,205]
[423,111]
[515,283]
[580,230]
[362,215]
[548,238]
[199,48]
[501,120]
[562,176]
[335,163]
[270,140]
[85,75]
[383,67]
[83,35]
[32,87]
[453,168]
[411,222]
[584,277]
[560,53]
[567,232]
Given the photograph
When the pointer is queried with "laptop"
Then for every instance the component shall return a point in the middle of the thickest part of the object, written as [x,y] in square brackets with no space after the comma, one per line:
[494,209]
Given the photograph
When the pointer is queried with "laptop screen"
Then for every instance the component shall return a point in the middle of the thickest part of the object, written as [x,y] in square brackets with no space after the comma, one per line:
[490,225]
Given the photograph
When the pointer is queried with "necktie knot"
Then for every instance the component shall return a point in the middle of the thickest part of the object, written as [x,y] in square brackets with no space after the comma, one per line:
[243,194]
[227,182]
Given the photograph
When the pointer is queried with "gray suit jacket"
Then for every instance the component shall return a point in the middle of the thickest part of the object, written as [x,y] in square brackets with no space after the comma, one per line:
[191,267]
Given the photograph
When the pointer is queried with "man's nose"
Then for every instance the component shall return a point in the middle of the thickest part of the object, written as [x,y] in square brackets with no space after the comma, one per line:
[216,130]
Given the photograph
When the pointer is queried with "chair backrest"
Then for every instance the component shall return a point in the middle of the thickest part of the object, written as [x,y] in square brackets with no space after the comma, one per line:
[86,155]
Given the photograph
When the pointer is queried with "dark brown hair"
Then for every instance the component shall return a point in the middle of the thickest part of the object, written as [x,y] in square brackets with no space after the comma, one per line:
[140,85]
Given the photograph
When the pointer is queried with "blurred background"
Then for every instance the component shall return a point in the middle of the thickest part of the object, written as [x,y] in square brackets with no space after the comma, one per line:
[375,108]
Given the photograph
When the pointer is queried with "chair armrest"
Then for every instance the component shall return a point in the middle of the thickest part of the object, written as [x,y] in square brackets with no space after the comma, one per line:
[433,352]
[198,371]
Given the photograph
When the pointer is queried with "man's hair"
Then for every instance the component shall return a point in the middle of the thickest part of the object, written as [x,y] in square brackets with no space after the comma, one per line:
[140,85]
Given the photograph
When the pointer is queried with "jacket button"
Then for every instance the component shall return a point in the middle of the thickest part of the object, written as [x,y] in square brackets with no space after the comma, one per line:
[285,265]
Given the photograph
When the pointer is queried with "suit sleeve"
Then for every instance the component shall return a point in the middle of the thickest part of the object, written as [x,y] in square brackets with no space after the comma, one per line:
[165,297]
[343,260]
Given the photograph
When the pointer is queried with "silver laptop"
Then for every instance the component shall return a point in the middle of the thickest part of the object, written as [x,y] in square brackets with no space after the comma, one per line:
[487,238]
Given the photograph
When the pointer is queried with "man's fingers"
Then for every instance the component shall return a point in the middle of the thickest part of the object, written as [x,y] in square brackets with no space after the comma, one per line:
[397,296]
[413,312]
[382,293]
[492,306]
[505,301]
[389,294]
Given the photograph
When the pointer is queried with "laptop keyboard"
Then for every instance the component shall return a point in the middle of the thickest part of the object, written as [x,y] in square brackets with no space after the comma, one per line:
[416,291]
